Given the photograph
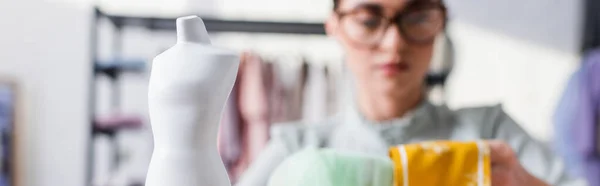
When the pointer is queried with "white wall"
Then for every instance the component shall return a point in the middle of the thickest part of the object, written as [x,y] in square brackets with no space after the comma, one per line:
[527,79]
[514,52]
[43,46]
[297,10]
[554,24]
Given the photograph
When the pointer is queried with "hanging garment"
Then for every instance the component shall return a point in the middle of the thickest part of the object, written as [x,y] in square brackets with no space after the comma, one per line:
[315,96]
[577,119]
[292,83]
[564,121]
[263,98]
[229,139]
[589,96]
[254,109]
[276,94]
[587,117]
[442,163]
[332,94]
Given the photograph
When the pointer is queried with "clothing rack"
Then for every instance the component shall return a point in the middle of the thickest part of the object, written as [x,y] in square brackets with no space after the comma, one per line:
[114,68]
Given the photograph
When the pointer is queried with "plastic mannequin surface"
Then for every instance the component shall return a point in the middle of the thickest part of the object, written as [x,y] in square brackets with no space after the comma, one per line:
[189,85]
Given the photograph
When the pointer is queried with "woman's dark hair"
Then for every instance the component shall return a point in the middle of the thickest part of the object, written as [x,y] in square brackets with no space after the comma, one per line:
[335,4]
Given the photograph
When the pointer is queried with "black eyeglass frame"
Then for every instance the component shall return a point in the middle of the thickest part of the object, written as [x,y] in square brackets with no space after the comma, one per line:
[396,20]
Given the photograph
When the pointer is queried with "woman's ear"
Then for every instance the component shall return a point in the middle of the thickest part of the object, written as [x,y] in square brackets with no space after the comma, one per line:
[331,25]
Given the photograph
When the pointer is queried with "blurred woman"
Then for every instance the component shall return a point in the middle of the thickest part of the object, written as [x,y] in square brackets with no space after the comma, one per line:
[388,46]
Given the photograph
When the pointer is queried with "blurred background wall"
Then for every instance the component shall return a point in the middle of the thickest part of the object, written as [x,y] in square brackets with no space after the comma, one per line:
[518,53]
[44,48]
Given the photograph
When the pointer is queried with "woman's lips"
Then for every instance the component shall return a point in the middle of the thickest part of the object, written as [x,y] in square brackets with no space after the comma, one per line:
[391,69]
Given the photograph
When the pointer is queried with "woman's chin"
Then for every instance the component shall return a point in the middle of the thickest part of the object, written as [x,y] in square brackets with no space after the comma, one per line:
[392,86]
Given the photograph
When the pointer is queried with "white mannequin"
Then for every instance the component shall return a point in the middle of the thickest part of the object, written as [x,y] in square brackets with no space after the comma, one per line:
[189,85]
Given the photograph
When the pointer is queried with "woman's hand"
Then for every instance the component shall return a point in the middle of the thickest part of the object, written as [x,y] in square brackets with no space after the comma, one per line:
[506,169]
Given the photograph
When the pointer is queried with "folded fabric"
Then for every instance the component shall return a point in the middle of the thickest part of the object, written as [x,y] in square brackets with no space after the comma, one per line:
[441,163]
[326,167]
[436,163]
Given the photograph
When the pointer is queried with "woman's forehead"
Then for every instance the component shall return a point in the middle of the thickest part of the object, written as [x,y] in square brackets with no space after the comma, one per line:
[388,6]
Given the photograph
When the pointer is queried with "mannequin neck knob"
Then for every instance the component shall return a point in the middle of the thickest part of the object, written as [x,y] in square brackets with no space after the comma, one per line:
[191,29]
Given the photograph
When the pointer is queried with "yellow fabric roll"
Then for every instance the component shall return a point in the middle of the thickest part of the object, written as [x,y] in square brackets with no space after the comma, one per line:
[442,163]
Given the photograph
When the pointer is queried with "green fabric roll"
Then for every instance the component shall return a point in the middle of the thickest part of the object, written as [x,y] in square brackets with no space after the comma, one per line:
[326,167]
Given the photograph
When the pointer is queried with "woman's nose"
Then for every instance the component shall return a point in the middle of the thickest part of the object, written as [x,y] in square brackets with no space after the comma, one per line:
[392,40]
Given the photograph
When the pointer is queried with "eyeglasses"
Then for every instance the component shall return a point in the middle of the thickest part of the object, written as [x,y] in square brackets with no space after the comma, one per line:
[418,25]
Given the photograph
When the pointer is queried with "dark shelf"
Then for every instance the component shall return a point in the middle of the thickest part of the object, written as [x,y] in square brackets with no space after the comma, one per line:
[218,25]
[114,68]
[100,131]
